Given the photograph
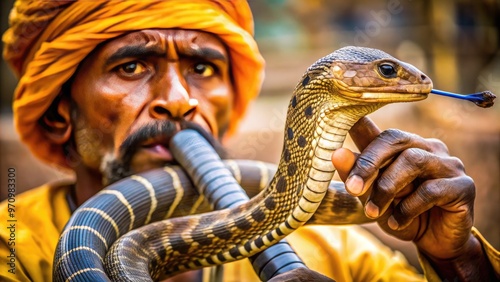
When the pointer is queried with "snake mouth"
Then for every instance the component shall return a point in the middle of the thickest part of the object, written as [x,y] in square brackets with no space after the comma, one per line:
[390,97]
[394,94]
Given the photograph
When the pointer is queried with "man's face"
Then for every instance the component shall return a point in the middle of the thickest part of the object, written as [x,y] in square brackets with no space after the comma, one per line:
[134,92]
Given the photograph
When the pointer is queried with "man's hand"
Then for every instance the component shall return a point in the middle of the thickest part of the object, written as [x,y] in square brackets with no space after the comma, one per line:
[413,188]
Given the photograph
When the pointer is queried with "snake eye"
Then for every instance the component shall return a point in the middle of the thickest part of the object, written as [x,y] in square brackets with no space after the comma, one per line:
[387,70]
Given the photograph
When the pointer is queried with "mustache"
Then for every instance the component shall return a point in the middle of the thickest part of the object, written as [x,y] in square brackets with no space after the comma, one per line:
[163,129]
[121,167]
[151,130]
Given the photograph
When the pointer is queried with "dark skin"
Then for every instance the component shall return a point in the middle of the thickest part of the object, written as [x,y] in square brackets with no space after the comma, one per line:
[416,192]
[144,79]
[150,78]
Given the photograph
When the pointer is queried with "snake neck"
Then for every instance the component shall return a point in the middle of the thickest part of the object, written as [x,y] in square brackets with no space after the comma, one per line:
[301,181]
[318,120]
[306,170]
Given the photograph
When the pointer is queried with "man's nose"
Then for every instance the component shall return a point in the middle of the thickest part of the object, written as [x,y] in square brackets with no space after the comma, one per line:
[172,100]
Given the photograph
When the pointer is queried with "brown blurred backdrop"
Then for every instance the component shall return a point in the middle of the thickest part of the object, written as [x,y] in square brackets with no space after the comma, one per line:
[456,43]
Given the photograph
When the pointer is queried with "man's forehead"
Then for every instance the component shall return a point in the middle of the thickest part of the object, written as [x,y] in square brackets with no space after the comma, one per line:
[183,39]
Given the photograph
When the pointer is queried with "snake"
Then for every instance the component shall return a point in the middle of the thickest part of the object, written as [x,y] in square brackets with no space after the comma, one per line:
[135,242]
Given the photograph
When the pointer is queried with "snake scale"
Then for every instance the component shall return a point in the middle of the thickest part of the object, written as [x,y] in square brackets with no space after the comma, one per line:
[330,97]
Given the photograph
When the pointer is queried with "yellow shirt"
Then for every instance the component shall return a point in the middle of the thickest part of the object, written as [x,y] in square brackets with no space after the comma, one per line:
[344,253]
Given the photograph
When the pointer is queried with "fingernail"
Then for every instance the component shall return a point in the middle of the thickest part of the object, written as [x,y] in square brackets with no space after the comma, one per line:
[393,224]
[354,184]
[371,210]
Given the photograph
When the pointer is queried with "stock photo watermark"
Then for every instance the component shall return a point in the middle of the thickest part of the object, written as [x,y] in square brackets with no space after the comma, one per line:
[11,220]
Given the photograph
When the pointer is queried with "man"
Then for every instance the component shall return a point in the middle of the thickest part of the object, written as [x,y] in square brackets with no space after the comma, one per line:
[97,76]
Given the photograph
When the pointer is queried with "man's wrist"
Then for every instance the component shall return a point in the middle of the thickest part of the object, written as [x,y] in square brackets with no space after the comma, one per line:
[471,265]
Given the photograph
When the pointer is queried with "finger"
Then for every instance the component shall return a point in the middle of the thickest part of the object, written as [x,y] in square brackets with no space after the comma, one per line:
[437,147]
[381,151]
[432,193]
[363,132]
[343,160]
[408,166]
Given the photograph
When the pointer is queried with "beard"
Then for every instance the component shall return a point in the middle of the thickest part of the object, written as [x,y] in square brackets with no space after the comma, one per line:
[118,168]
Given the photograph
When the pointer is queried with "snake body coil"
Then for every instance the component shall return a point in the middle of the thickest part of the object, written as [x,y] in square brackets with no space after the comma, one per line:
[331,96]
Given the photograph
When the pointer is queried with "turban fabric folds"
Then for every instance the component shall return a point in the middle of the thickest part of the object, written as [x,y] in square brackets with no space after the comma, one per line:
[47,40]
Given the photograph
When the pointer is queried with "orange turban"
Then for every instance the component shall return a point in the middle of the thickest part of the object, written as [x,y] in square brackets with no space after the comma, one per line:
[48,39]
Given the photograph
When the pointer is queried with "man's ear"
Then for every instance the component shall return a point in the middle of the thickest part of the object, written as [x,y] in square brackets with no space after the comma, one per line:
[56,121]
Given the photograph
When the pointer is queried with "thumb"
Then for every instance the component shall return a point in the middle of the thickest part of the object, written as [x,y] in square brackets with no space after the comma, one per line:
[364,132]
[343,160]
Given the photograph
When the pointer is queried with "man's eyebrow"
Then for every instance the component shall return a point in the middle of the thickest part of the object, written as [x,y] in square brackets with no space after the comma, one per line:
[140,51]
[135,51]
[204,53]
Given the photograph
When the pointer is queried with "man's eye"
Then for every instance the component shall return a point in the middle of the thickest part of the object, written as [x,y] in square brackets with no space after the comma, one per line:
[132,68]
[204,69]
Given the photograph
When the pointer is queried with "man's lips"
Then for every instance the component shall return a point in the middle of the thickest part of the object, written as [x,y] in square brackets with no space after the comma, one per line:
[159,150]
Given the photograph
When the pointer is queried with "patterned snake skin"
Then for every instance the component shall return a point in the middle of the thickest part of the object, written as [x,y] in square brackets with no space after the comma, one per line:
[331,96]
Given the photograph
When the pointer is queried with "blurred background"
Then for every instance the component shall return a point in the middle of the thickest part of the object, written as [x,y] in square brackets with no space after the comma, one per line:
[456,43]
